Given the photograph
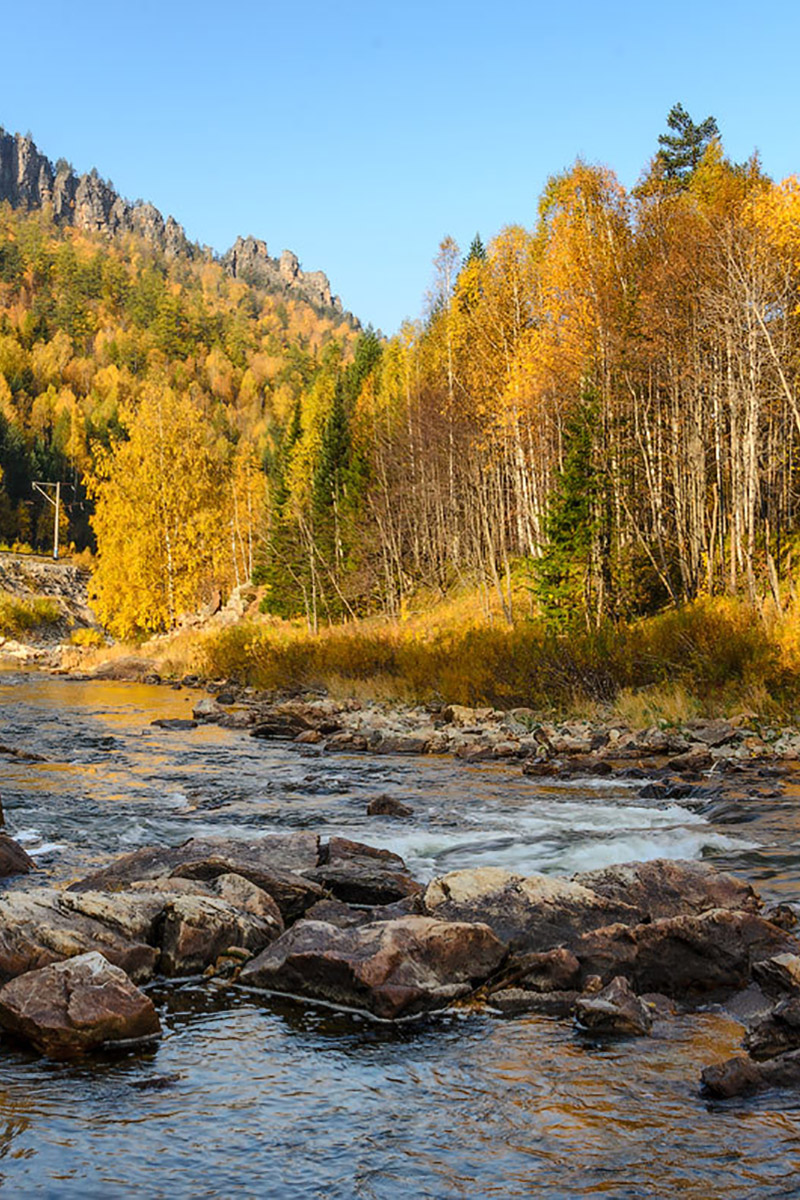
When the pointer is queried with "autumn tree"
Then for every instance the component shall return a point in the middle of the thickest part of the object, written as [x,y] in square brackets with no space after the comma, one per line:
[158,495]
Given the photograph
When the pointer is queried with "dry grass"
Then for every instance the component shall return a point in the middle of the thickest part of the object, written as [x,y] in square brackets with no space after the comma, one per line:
[20,616]
[711,657]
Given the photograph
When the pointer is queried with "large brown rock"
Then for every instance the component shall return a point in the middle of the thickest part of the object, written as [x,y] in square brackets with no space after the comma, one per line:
[195,930]
[43,927]
[391,969]
[529,914]
[69,1008]
[683,955]
[740,1076]
[670,888]
[360,874]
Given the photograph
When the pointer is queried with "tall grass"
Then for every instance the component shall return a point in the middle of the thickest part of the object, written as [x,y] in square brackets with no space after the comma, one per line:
[19,616]
[715,653]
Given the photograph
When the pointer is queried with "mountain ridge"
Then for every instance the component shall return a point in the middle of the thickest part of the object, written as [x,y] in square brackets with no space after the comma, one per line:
[30,180]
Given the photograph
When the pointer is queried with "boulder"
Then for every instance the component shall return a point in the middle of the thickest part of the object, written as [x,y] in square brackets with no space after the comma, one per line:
[529,914]
[43,927]
[670,888]
[687,955]
[777,1033]
[174,723]
[740,1076]
[293,893]
[195,930]
[72,1007]
[272,862]
[13,859]
[615,1010]
[360,874]
[392,968]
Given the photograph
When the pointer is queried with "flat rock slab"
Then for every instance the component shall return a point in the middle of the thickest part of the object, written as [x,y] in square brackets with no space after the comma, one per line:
[529,914]
[392,968]
[70,1008]
[670,888]
[683,956]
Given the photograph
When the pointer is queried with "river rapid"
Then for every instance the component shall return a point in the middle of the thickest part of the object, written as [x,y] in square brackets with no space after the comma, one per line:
[251,1095]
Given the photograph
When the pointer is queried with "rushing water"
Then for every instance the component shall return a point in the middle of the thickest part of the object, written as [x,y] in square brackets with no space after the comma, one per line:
[251,1095]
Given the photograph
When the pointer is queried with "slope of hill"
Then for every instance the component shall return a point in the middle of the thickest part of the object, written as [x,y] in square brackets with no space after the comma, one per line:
[29,180]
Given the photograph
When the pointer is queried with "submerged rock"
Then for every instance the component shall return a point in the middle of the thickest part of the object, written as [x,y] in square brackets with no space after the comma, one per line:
[391,969]
[387,806]
[615,1010]
[72,1007]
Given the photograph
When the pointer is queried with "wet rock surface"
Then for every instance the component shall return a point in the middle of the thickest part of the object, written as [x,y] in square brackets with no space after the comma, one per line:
[616,1010]
[75,1006]
[13,859]
[361,874]
[683,956]
[391,969]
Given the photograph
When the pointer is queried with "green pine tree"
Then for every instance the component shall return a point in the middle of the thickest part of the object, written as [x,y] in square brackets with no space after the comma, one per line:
[683,148]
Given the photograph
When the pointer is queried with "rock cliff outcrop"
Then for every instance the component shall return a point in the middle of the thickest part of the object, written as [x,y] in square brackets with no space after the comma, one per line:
[29,180]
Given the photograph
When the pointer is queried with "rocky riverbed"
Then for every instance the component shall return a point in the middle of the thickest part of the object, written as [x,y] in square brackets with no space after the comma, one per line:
[345,923]
[484,970]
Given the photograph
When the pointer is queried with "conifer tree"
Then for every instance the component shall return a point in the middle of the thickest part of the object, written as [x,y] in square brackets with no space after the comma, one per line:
[571,524]
[683,148]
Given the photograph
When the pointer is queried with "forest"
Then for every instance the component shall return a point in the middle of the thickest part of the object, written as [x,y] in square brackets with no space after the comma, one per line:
[596,417]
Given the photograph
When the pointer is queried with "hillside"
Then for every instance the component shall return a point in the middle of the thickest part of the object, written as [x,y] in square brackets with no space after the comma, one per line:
[30,181]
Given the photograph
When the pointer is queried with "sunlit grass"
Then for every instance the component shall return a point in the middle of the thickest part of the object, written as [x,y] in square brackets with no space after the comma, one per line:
[19,616]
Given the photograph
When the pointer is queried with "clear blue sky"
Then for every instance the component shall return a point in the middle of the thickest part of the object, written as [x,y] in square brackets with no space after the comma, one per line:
[359,134]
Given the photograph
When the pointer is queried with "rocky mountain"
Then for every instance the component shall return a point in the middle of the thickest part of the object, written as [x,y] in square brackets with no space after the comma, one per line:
[29,180]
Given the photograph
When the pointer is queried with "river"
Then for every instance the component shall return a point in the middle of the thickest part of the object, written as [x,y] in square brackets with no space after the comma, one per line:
[250,1095]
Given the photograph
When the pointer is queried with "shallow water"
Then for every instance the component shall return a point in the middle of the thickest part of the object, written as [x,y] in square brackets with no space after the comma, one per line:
[273,1098]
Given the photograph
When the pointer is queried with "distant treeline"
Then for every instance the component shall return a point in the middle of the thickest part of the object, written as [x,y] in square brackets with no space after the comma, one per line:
[601,410]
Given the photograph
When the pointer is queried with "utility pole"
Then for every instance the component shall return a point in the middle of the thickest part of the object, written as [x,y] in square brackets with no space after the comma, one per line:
[40,487]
